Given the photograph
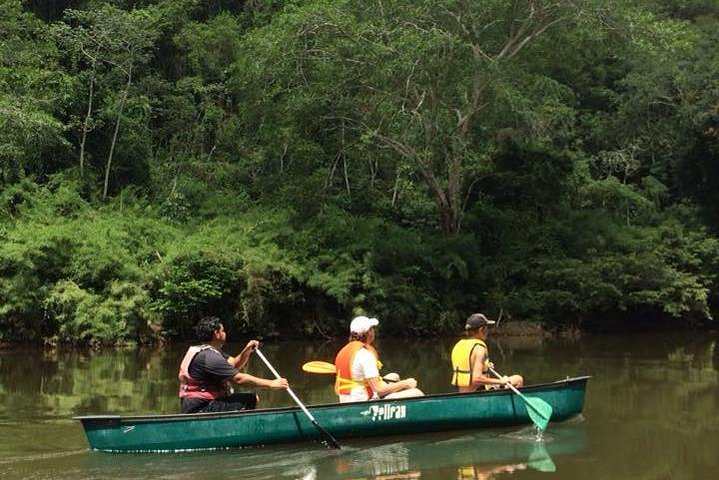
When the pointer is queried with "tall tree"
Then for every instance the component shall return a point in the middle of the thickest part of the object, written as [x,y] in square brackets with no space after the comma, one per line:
[120,40]
[435,83]
[90,44]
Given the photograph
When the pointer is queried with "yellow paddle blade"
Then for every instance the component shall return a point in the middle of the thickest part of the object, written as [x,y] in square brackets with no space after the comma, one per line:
[318,366]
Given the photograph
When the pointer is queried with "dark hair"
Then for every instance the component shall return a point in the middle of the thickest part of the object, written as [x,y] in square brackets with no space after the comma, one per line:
[206,327]
[471,332]
[359,337]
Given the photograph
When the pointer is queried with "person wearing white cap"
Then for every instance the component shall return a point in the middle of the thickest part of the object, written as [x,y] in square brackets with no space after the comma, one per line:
[358,367]
[470,359]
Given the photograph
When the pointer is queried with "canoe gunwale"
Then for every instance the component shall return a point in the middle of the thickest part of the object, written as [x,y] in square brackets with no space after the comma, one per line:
[114,418]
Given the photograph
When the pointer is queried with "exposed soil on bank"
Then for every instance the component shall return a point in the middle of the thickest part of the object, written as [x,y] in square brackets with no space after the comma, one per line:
[515,328]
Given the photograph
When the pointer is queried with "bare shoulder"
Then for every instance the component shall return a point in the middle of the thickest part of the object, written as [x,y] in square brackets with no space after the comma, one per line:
[478,353]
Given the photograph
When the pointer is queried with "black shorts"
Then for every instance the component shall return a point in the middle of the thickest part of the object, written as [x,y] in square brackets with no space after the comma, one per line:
[231,403]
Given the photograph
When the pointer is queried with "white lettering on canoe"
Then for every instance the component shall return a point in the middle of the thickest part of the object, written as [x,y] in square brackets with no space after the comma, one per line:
[128,429]
[385,412]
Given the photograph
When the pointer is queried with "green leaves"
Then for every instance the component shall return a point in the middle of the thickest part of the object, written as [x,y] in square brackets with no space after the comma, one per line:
[33,93]
[87,318]
[296,161]
[71,270]
[192,286]
[664,270]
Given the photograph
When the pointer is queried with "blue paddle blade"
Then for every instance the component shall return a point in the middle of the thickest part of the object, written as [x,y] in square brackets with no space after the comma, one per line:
[539,411]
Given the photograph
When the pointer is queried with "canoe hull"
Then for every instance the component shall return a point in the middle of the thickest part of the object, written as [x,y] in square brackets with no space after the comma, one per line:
[432,413]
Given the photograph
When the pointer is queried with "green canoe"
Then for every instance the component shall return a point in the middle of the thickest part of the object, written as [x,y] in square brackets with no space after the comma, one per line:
[431,413]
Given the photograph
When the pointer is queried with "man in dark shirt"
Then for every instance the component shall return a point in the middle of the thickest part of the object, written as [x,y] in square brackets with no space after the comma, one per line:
[207,373]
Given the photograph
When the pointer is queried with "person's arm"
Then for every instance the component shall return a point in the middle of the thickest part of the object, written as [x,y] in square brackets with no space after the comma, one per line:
[382,388]
[247,379]
[217,368]
[370,373]
[479,354]
[241,360]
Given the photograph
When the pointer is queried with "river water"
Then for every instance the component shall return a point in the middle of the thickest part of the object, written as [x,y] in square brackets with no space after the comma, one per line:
[651,412]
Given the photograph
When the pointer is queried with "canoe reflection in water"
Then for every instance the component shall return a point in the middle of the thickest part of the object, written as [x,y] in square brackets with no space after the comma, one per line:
[479,456]
[539,459]
[379,463]
[450,455]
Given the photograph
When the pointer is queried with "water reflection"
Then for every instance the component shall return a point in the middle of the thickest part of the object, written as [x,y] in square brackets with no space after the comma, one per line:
[487,472]
[468,456]
[37,384]
[62,383]
[442,456]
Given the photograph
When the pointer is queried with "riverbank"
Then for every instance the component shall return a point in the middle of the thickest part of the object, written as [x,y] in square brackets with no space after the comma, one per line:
[504,329]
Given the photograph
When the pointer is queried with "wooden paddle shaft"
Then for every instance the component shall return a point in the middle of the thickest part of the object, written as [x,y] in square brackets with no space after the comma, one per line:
[289,390]
[509,384]
[526,400]
[331,441]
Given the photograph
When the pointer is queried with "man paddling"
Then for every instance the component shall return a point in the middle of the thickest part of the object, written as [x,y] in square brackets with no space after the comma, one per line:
[470,359]
[207,373]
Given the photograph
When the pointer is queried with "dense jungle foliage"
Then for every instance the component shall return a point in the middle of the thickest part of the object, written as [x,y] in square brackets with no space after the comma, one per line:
[287,164]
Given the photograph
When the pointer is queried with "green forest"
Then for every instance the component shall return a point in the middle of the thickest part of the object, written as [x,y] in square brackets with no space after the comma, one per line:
[286,165]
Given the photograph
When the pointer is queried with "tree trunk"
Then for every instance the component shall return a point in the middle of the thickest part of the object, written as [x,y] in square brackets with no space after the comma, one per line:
[117,129]
[447,208]
[86,123]
[448,217]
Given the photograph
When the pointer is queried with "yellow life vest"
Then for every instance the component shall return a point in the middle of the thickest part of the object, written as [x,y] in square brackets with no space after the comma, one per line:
[466,473]
[344,382]
[462,361]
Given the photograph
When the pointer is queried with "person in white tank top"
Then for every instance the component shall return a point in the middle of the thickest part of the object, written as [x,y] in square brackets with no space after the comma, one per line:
[364,369]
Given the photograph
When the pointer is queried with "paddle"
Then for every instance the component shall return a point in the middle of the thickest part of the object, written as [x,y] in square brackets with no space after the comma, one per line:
[331,441]
[318,366]
[540,460]
[539,411]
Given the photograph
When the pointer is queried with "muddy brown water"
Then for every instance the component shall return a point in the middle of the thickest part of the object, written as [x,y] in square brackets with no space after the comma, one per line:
[651,412]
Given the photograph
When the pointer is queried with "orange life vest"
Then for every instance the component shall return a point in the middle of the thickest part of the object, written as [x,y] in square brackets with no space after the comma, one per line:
[191,388]
[343,362]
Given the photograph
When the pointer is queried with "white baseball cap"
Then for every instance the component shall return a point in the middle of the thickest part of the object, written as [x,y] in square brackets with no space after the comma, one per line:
[361,325]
